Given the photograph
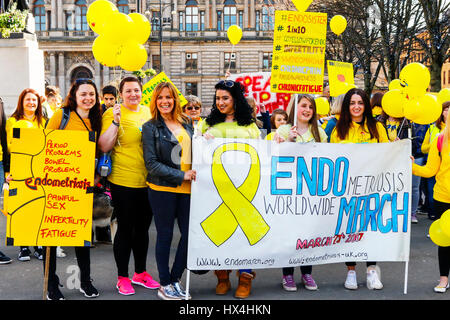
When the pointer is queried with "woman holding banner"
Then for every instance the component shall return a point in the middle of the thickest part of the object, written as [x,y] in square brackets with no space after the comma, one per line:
[28,114]
[84,105]
[231,117]
[438,164]
[306,130]
[356,124]
[122,135]
[166,140]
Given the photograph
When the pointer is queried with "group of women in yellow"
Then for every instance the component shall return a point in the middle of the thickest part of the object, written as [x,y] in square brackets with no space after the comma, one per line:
[151,171]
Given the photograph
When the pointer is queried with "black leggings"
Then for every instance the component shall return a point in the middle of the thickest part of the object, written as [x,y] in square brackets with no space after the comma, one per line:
[83,259]
[443,252]
[134,217]
[290,270]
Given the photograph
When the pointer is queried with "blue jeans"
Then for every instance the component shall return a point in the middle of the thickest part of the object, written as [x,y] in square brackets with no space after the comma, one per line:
[415,186]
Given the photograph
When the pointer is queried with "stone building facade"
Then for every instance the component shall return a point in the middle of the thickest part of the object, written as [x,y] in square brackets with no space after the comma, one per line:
[193,43]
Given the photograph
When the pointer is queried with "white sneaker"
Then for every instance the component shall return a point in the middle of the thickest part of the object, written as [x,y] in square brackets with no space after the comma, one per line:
[373,278]
[350,282]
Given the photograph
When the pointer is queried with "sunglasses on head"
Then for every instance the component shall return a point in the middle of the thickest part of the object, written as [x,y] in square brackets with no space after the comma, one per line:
[227,83]
[195,108]
[83,81]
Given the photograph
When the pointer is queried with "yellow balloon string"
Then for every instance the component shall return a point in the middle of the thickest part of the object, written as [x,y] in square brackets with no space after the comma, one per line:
[236,208]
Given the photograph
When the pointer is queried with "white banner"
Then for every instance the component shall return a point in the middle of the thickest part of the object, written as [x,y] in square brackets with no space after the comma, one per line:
[259,204]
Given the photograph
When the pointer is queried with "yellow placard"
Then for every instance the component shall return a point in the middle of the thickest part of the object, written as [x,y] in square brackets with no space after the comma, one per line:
[50,198]
[340,77]
[147,89]
[298,57]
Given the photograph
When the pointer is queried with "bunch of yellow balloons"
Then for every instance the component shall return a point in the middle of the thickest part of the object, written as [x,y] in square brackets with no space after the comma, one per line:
[121,37]
[407,96]
[440,230]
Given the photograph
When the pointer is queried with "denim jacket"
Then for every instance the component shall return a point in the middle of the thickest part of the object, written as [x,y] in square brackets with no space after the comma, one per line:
[158,143]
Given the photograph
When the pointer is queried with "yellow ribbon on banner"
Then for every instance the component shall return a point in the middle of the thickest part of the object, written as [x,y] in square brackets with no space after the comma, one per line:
[236,208]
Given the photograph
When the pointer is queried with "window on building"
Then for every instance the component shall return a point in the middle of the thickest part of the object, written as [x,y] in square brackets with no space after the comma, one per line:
[122,6]
[69,24]
[155,20]
[230,61]
[202,20]
[268,18]
[219,20]
[156,63]
[241,19]
[191,62]
[267,61]
[229,16]
[191,88]
[39,15]
[49,19]
[258,20]
[192,18]
[80,15]
[181,20]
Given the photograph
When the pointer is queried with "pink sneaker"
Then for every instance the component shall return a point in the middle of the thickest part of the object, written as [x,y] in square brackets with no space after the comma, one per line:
[124,286]
[145,280]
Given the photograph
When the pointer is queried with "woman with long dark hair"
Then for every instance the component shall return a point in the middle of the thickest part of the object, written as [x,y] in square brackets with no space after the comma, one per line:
[356,124]
[231,117]
[166,142]
[84,105]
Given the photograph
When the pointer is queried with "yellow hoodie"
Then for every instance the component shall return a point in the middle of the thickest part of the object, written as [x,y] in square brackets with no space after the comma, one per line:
[438,165]
[360,134]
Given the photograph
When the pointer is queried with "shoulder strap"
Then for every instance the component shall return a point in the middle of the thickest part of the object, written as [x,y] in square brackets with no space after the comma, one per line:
[440,139]
[65,118]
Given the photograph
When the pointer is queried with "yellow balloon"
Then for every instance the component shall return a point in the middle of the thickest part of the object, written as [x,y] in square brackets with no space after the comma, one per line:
[396,84]
[322,105]
[132,56]
[105,52]
[437,235]
[119,28]
[393,102]
[98,15]
[417,78]
[443,95]
[338,24]
[234,34]
[412,109]
[430,110]
[445,222]
[142,28]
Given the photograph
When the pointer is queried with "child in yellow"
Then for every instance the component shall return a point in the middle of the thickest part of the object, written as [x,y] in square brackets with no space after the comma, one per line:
[438,164]
[279,117]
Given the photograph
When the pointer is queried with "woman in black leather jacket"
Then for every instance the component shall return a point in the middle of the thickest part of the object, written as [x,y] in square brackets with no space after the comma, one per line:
[166,140]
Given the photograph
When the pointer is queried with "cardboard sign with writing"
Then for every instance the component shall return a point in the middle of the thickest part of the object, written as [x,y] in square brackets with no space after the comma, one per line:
[299,52]
[50,198]
[340,76]
[147,89]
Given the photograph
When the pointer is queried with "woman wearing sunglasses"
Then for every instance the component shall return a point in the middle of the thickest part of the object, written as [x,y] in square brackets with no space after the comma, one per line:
[231,117]
[84,105]
[193,109]
[122,134]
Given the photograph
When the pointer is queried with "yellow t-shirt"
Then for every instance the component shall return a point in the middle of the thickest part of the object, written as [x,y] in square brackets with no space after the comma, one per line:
[185,165]
[270,135]
[128,167]
[431,134]
[438,166]
[11,123]
[231,130]
[360,134]
[392,129]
